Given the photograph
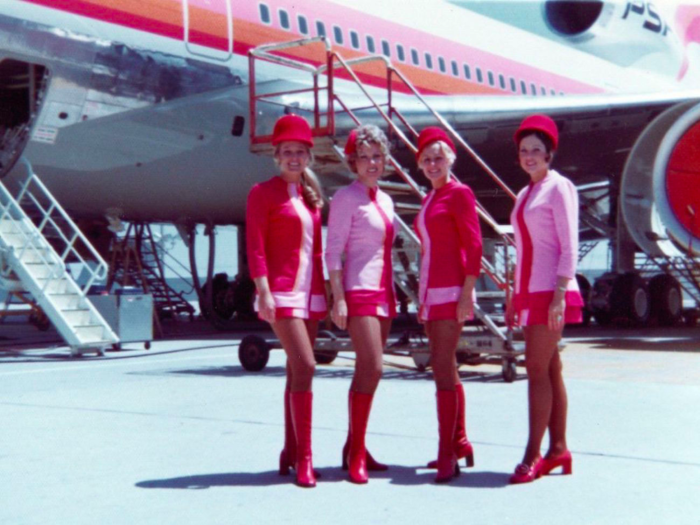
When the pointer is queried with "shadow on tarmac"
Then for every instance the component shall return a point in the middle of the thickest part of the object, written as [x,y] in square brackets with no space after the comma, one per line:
[344,373]
[397,475]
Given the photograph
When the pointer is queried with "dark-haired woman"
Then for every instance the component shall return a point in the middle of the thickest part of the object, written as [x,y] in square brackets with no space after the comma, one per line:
[545,220]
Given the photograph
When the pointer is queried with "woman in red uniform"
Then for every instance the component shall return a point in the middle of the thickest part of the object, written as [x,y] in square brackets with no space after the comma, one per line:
[361,227]
[448,227]
[283,227]
[545,221]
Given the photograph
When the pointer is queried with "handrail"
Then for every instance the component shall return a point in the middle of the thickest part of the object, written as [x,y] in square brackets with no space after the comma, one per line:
[335,61]
[454,133]
[101,269]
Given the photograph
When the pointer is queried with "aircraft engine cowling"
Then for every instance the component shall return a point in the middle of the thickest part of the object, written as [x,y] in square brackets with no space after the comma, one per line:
[660,191]
[625,33]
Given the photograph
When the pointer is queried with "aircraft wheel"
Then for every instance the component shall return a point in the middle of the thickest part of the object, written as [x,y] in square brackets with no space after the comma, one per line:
[666,299]
[253,353]
[630,298]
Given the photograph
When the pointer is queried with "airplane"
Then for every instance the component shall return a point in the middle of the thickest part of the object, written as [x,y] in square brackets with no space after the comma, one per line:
[141,111]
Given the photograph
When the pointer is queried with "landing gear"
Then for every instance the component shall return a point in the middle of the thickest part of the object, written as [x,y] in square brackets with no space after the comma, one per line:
[621,297]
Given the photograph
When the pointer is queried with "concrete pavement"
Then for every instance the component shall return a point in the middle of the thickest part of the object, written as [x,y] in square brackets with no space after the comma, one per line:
[182,434]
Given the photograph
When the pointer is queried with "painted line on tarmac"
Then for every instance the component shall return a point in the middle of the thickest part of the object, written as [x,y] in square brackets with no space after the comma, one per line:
[106,363]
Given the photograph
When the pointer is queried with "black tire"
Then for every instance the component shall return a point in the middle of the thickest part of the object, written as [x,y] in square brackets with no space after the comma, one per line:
[666,299]
[325,357]
[630,299]
[253,353]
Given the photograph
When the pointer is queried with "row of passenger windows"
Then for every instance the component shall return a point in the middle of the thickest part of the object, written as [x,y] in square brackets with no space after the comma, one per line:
[492,79]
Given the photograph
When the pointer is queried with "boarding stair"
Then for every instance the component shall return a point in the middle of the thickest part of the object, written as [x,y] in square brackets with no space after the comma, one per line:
[135,261]
[329,158]
[33,264]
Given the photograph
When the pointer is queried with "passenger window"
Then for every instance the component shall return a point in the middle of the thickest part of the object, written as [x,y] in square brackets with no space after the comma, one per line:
[284,19]
[544,91]
[554,93]
[303,26]
[455,68]
[320,28]
[428,61]
[491,80]
[370,44]
[533,89]
[513,87]
[479,76]
[523,87]
[354,40]
[441,65]
[467,72]
[414,57]
[265,14]
[400,53]
[338,35]
[502,81]
[386,49]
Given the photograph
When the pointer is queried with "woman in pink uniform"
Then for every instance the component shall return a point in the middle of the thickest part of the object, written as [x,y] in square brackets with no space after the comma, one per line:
[283,227]
[545,220]
[361,227]
[448,227]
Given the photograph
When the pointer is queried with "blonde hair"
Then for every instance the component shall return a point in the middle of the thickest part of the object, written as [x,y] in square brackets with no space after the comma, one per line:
[444,149]
[311,190]
[366,136]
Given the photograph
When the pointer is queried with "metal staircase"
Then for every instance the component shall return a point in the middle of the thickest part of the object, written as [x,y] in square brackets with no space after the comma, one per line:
[42,268]
[136,262]
[329,158]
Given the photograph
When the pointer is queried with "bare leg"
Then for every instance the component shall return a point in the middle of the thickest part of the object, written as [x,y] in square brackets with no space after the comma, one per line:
[540,348]
[368,340]
[297,343]
[444,337]
[557,421]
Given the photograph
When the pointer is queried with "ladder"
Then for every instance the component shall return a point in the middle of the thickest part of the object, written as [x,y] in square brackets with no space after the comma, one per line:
[330,157]
[41,267]
[135,261]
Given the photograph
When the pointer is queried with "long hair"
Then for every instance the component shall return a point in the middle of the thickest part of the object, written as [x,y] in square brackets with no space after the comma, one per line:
[311,189]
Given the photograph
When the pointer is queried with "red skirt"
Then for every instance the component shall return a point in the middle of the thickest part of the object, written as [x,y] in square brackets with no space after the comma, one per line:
[533,309]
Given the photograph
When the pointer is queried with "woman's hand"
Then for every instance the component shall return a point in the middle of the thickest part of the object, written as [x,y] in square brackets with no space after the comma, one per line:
[556,314]
[465,307]
[339,314]
[266,306]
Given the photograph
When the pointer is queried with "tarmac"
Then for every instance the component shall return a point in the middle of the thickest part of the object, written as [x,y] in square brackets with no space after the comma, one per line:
[182,434]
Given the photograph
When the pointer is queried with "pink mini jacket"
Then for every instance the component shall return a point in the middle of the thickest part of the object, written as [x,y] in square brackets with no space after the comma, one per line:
[545,221]
[361,227]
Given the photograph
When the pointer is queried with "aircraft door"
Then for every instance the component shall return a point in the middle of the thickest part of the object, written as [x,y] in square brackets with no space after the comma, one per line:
[209,28]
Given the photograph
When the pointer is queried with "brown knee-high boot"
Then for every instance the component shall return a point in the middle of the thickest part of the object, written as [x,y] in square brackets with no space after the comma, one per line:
[301,405]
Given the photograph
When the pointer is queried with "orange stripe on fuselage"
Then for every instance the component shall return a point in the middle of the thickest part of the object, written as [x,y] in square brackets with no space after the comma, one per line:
[249,35]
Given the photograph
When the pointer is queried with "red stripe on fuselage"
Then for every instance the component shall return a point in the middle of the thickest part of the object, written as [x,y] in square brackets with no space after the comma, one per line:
[115,16]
